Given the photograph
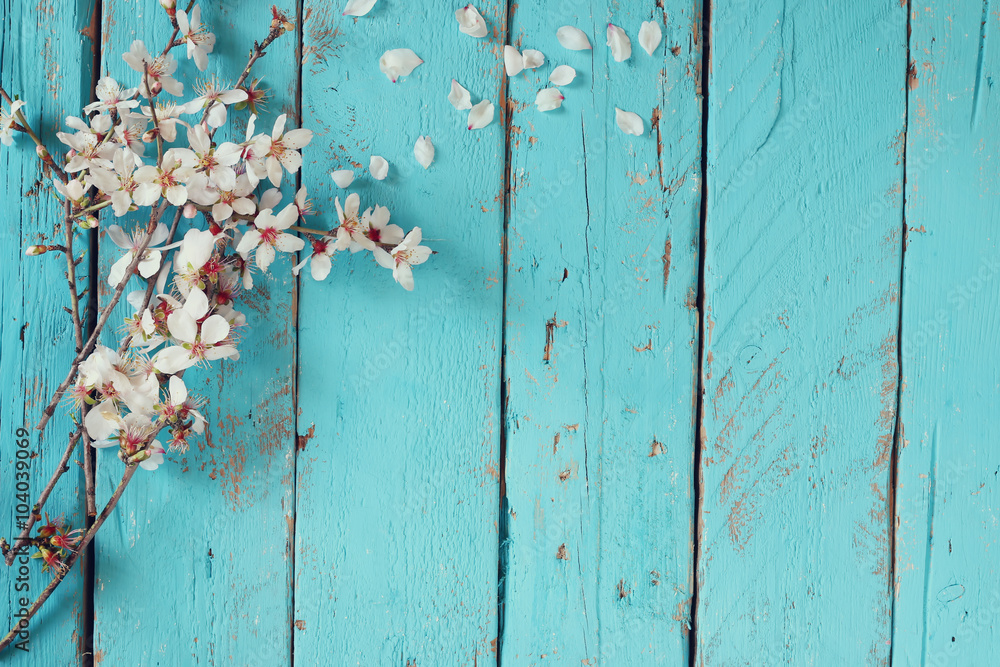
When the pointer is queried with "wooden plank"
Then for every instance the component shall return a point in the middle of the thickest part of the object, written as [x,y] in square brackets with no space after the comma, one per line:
[198,552]
[397,494]
[801,285]
[946,566]
[601,343]
[37,45]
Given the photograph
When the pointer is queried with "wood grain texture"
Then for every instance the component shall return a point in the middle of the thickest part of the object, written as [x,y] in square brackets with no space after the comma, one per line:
[947,593]
[198,552]
[397,494]
[803,247]
[45,57]
[601,343]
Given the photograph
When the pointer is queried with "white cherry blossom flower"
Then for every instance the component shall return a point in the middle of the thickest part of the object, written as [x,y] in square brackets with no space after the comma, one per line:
[170,179]
[470,21]
[621,45]
[562,75]
[650,36]
[167,118]
[379,167]
[358,7]
[112,97]
[215,97]
[459,96]
[374,230]
[118,183]
[350,220]
[150,262]
[269,236]
[549,99]
[73,190]
[423,150]
[200,41]
[404,257]
[629,123]
[235,200]
[254,149]
[199,338]
[179,406]
[343,177]
[7,122]
[573,39]
[161,69]
[319,260]
[281,149]
[481,115]
[215,161]
[398,62]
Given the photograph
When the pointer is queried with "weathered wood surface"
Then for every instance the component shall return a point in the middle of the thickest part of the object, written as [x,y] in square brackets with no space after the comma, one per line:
[642,406]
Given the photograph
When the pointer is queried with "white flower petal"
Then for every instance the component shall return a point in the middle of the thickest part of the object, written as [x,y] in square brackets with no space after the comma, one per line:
[512,60]
[459,96]
[533,58]
[470,21]
[621,45]
[549,99]
[650,36]
[178,391]
[214,329]
[573,39]
[358,7]
[481,115]
[629,122]
[343,177]
[423,150]
[182,326]
[562,75]
[398,62]
[378,167]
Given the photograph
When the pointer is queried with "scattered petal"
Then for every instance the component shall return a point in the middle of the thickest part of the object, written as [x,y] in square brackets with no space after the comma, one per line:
[629,122]
[358,7]
[562,75]
[423,150]
[398,62]
[343,177]
[573,39]
[378,167]
[533,58]
[459,96]
[470,21]
[512,60]
[621,45]
[481,115]
[549,99]
[650,36]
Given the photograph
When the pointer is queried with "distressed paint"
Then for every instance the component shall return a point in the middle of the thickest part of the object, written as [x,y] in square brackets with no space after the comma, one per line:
[41,51]
[948,595]
[601,343]
[801,285]
[198,553]
[398,475]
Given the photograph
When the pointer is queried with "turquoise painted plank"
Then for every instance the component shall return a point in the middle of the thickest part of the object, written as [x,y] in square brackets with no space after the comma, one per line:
[802,264]
[946,564]
[198,552]
[46,60]
[601,342]
[397,480]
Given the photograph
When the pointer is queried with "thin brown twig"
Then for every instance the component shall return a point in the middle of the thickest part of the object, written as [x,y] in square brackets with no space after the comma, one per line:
[25,127]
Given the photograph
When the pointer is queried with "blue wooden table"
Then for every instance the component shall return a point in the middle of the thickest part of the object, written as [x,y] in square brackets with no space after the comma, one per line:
[724,393]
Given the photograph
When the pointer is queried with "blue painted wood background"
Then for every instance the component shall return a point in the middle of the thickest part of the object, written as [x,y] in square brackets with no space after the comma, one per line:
[724,393]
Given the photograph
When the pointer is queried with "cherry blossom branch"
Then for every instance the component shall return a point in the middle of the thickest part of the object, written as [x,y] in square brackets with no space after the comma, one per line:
[24,126]
[68,566]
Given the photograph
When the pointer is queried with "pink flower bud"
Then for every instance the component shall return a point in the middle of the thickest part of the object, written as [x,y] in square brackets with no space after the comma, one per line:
[42,153]
[190,211]
[34,250]
[89,222]
[168,4]
[156,89]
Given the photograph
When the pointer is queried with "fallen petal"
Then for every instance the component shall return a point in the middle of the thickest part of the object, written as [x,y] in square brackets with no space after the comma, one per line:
[459,96]
[573,39]
[621,45]
[650,36]
[343,177]
[562,75]
[470,21]
[358,7]
[398,62]
[533,58]
[629,122]
[423,150]
[481,115]
[549,99]
[512,60]
[380,168]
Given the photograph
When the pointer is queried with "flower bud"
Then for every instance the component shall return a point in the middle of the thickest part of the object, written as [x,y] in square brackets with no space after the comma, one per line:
[88,222]
[149,137]
[156,89]
[168,4]
[42,153]
[190,211]
[35,250]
